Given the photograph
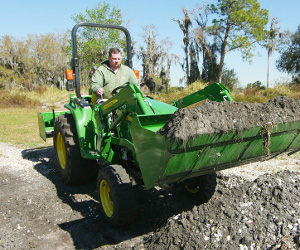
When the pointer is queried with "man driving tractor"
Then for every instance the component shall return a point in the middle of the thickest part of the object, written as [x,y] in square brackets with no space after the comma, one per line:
[112,74]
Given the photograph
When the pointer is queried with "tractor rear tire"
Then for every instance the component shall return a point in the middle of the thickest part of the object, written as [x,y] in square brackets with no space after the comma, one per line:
[201,188]
[115,193]
[72,167]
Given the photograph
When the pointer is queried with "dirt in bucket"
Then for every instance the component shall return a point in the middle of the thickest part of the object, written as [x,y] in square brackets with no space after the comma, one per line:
[223,117]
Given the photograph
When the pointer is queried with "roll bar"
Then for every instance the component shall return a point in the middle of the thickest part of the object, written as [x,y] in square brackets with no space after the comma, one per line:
[75,61]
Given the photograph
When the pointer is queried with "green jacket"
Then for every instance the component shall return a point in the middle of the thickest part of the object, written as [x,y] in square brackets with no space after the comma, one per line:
[106,78]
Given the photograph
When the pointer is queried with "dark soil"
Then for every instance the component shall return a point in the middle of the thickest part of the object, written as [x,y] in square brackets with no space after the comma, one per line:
[222,117]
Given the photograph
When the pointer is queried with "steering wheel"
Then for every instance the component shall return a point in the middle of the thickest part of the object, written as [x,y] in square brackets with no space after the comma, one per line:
[115,91]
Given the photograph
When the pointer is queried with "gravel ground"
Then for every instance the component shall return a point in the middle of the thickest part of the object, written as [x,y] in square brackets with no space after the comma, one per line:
[254,207]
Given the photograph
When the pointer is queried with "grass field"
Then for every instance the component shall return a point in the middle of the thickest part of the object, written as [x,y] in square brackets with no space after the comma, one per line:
[18,110]
[19,126]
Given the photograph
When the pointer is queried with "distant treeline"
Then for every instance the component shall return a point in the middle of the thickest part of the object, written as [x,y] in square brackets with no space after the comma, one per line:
[209,33]
[38,60]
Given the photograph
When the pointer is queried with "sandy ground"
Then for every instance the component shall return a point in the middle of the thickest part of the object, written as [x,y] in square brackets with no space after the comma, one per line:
[38,211]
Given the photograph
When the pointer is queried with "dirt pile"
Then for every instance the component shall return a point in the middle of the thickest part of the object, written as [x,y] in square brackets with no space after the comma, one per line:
[216,117]
[264,214]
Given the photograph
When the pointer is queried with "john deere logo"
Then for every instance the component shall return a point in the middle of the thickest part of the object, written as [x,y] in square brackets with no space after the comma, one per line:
[108,105]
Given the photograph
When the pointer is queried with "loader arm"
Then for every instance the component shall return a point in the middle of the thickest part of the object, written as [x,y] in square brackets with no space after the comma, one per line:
[131,97]
[214,92]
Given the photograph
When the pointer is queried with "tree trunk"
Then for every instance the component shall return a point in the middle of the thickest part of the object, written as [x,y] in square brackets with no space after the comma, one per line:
[221,65]
[268,70]
[187,68]
[223,49]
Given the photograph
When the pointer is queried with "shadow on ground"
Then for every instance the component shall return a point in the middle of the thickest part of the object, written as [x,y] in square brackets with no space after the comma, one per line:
[90,230]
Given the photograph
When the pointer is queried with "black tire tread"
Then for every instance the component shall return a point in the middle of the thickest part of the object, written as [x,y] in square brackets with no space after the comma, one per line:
[121,193]
[78,170]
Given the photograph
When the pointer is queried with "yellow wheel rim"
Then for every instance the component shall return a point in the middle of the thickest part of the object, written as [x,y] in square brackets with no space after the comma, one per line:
[192,190]
[105,198]
[61,151]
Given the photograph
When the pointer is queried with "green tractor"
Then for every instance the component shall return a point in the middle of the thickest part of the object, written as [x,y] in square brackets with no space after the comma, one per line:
[117,142]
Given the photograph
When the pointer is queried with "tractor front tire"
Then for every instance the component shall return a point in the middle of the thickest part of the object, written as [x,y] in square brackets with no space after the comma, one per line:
[115,193]
[201,188]
[72,167]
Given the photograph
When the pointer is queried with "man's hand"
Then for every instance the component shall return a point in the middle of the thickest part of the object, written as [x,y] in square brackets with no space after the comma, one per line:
[100,91]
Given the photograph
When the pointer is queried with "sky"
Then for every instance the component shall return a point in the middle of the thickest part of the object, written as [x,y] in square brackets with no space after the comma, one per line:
[20,18]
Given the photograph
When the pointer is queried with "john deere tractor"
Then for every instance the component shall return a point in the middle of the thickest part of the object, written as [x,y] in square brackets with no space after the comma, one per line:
[117,142]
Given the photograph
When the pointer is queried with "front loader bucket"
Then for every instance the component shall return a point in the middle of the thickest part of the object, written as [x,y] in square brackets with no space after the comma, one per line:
[165,161]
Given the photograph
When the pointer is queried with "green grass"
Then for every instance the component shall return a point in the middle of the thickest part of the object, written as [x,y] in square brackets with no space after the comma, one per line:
[18,112]
[19,126]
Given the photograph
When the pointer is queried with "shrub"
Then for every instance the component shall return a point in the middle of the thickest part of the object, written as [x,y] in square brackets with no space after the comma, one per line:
[41,89]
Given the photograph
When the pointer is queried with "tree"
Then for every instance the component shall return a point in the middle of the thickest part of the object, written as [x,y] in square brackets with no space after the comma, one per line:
[289,60]
[194,73]
[35,61]
[49,61]
[151,52]
[185,24]
[227,26]
[272,43]
[166,61]
[230,78]
[155,58]
[13,53]
[256,85]
[94,43]
[208,49]
[237,25]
